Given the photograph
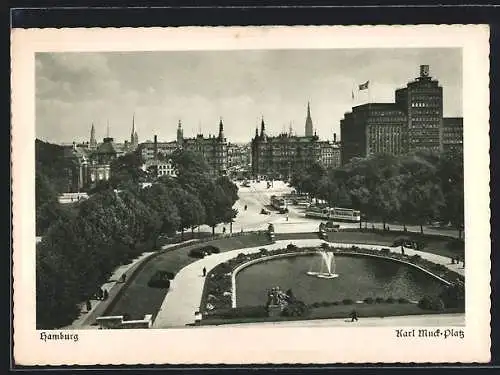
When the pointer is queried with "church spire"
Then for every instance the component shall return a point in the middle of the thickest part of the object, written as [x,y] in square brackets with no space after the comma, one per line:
[309,124]
[262,127]
[132,134]
[93,142]
[180,134]
[221,129]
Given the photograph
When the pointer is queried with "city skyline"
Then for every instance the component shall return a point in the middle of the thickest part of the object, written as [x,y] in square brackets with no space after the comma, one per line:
[74,90]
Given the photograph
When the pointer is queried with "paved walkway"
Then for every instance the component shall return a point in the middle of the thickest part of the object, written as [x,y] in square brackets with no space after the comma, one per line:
[429,320]
[184,296]
[113,286]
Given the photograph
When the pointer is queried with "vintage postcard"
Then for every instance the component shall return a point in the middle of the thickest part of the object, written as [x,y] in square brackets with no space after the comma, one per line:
[251,195]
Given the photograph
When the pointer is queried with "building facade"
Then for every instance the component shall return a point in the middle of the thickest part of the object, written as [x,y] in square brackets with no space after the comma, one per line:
[213,149]
[373,128]
[422,101]
[279,156]
[453,134]
[413,123]
[151,150]
[159,168]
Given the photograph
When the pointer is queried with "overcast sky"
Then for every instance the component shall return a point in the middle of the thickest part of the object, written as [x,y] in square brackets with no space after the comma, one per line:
[75,89]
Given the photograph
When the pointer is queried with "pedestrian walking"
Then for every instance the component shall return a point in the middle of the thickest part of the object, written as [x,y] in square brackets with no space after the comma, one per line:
[402,250]
[123,278]
[204,272]
[286,217]
[354,316]
[100,294]
[89,306]
[105,295]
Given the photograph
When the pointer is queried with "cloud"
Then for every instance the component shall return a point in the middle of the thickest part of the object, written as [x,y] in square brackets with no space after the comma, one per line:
[75,89]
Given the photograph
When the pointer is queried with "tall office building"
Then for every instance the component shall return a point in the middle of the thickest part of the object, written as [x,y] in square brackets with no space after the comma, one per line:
[413,123]
[453,134]
[372,128]
[422,100]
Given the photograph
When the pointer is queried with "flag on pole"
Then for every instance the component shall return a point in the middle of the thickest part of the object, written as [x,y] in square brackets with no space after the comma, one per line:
[364,86]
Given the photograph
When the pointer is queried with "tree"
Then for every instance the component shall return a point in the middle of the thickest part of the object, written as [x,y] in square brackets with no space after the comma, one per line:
[49,212]
[157,197]
[126,170]
[385,199]
[191,211]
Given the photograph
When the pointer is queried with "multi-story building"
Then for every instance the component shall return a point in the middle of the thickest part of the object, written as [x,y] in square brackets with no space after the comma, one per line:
[90,162]
[453,134]
[422,101]
[238,155]
[329,154]
[214,149]
[373,128]
[413,123]
[159,167]
[150,150]
[278,156]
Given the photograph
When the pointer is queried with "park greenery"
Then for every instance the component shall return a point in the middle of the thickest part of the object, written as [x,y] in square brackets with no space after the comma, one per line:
[83,243]
[411,189]
[217,303]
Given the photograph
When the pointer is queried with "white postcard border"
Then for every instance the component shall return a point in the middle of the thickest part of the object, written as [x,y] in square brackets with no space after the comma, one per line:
[250,344]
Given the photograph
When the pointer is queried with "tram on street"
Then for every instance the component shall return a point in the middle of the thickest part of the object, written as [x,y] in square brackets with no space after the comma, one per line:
[335,214]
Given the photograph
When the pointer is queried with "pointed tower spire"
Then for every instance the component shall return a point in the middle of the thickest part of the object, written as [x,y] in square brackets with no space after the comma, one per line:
[93,142]
[180,134]
[132,133]
[262,127]
[221,129]
[309,124]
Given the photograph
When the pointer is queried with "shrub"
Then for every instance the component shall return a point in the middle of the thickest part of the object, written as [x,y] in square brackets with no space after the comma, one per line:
[453,296]
[335,303]
[369,300]
[324,304]
[211,249]
[160,280]
[415,258]
[297,309]
[354,248]
[291,246]
[263,251]
[240,312]
[347,301]
[315,304]
[385,251]
[197,253]
[379,300]
[389,300]
[431,303]
[403,300]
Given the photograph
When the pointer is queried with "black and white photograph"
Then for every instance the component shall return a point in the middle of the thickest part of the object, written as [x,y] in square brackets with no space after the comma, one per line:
[221,189]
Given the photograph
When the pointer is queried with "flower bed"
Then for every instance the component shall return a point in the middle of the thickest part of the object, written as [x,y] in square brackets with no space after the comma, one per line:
[217,294]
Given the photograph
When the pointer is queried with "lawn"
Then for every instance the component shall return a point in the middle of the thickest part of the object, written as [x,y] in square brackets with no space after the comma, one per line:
[138,299]
[434,245]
